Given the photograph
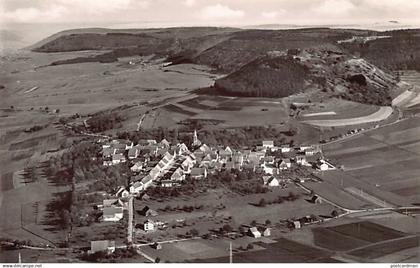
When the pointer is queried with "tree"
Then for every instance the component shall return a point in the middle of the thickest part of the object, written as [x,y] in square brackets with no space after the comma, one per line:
[250,246]
[267,222]
[262,203]
[157,260]
[313,217]
[254,223]
[227,228]
[334,213]
[65,219]
[194,232]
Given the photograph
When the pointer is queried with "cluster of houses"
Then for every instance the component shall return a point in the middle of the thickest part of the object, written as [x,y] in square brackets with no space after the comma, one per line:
[177,162]
[167,165]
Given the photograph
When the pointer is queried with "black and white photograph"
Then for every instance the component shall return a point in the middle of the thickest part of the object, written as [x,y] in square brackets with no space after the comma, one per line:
[140,132]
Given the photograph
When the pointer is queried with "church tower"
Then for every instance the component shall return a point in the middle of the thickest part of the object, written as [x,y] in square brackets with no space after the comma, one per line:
[196,141]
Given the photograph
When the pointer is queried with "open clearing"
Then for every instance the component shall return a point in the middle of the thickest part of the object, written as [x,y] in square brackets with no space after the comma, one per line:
[334,109]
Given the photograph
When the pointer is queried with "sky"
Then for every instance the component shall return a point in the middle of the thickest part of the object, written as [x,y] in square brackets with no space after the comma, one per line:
[138,13]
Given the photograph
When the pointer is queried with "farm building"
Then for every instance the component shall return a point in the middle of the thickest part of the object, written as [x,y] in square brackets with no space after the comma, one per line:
[253,231]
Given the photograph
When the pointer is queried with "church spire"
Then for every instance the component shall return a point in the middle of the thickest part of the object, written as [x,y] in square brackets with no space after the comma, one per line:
[196,141]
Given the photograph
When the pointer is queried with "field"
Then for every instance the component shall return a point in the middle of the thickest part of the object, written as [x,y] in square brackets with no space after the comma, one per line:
[24,212]
[281,251]
[90,87]
[413,78]
[223,111]
[367,231]
[366,240]
[384,160]
[387,248]
[326,238]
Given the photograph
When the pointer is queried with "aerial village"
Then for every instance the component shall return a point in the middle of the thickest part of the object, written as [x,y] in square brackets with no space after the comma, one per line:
[178,162]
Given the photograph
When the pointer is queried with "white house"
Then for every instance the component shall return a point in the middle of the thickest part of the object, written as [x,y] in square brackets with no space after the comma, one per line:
[323,165]
[122,192]
[285,149]
[182,149]
[178,175]
[133,152]
[112,214]
[285,164]
[310,152]
[149,226]
[265,231]
[188,163]
[271,181]
[268,144]
[205,149]
[107,163]
[137,167]
[269,169]
[305,147]
[118,158]
[198,173]
[164,144]
[301,160]
[137,187]
[253,231]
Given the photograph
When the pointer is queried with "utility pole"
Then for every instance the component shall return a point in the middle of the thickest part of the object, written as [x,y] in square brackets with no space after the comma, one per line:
[230,253]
